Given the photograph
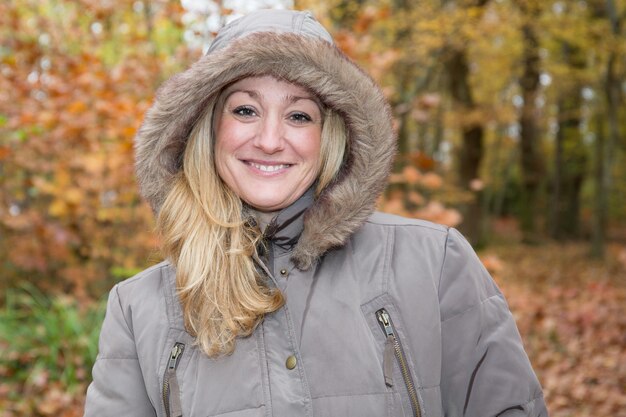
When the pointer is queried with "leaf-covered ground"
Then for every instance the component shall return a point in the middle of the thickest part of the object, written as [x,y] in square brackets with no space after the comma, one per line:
[571,312]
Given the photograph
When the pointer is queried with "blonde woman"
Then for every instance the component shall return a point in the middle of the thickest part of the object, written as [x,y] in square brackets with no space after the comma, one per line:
[283,293]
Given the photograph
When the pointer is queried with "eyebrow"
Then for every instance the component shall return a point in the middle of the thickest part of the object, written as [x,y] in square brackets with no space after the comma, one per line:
[292,99]
[289,99]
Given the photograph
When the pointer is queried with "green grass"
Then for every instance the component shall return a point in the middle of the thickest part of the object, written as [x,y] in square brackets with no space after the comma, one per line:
[49,337]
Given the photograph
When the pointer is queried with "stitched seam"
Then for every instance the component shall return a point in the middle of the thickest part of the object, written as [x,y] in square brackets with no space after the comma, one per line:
[172,310]
[443,261]
[119,303]
[349,395]
[118,359]
[237,410]
[406,224]
[389,248]
[369,393]
[259,335]
[473,307]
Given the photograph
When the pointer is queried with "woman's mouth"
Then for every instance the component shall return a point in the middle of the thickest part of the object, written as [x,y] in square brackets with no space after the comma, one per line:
[268,167]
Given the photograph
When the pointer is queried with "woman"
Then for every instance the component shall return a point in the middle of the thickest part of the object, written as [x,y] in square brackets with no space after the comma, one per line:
[283,295]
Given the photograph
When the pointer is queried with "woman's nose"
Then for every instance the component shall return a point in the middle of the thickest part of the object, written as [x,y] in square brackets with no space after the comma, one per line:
[270,136]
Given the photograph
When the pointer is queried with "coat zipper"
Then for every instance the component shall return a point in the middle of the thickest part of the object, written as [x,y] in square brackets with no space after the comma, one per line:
[393,348]
[171,391]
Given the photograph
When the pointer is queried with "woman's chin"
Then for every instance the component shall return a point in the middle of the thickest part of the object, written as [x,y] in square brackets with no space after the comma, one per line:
[269,204]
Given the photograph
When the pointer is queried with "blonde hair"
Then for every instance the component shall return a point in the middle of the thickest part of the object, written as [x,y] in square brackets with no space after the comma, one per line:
[213,248]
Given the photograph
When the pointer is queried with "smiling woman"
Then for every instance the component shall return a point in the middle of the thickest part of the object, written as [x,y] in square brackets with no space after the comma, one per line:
[267,147]
[283,293]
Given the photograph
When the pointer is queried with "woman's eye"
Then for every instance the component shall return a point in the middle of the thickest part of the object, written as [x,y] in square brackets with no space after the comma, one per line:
[244,111]
[300,117]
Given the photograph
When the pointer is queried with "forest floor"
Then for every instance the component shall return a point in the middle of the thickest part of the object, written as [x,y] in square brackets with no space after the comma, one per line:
[570,310]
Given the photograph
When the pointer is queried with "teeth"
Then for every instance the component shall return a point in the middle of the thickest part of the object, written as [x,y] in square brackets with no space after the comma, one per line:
[268,168]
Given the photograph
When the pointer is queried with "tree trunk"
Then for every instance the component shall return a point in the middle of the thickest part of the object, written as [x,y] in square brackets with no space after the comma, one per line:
[571,161]
[471,151]
[600,207]
[605,149]
[532,166]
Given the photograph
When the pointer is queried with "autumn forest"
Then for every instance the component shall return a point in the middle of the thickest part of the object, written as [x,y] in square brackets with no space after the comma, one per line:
[511,125]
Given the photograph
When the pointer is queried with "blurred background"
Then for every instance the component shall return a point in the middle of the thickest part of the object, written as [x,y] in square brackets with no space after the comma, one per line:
[511,123]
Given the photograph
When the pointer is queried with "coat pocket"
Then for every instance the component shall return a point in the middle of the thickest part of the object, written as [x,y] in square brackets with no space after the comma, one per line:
[385,322]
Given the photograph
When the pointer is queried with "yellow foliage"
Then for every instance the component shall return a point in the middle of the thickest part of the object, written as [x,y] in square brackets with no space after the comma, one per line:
[73,195]
[58,208]
[92,163]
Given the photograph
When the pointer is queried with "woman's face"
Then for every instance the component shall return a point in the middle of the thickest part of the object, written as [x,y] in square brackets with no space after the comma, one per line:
[268,135]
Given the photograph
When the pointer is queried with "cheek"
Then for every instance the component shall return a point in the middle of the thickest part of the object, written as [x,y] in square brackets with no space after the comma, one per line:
[309,146]
[232,135]
[227,139]
[221,153]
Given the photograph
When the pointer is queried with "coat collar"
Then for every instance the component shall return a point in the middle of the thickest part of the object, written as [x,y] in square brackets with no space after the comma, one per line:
[286,227]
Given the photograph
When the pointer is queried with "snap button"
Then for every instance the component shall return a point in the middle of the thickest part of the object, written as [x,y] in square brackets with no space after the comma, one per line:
[284,272]
[291,362]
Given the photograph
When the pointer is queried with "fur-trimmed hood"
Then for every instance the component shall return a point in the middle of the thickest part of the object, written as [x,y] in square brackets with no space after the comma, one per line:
[292,46]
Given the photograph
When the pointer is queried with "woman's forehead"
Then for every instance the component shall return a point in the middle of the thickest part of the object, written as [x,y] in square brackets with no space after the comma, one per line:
[260,87]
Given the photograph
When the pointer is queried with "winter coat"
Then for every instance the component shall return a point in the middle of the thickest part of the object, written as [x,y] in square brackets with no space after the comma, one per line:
[384,316]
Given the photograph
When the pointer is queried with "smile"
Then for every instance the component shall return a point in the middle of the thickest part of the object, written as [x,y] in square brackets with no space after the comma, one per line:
[268,168]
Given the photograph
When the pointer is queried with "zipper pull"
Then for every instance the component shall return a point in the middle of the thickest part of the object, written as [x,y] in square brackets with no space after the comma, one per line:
[385,322]
[389,352]
[388,358]
[171,389]
[177,350]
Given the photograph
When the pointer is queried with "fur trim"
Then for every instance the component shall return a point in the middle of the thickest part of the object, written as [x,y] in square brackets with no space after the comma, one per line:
[313,63]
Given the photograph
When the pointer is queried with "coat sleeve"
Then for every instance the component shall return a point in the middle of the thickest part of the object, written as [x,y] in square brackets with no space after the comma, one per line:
[485,370]
[118,387]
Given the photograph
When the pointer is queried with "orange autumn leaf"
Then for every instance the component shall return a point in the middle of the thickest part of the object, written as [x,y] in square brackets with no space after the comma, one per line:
[416,198]
[77,107]
[411,174]
[431,181]
[5,152]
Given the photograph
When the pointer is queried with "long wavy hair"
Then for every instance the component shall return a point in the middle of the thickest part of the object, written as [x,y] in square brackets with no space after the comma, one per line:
[214,248]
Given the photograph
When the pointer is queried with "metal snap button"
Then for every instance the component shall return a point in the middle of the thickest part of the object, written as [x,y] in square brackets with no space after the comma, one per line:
[291,362]
[284,272]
